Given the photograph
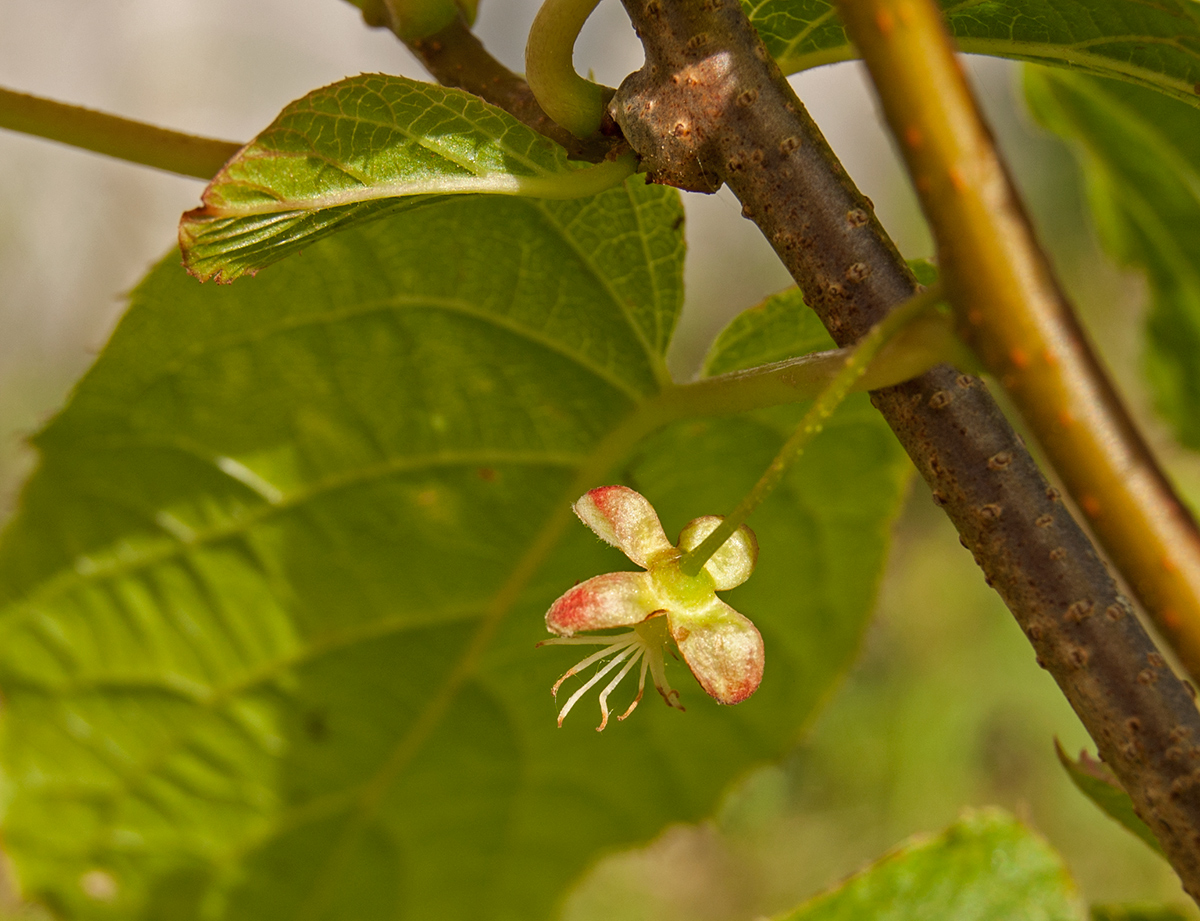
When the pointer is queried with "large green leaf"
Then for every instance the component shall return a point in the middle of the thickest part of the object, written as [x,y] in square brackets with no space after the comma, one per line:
[362,148]
[269,607]
[1141,157]
[1153,44]
[985,867]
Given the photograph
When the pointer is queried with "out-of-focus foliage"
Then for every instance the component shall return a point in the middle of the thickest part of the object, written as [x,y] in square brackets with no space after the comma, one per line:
[1138,912]
[986,867]
[1141,156]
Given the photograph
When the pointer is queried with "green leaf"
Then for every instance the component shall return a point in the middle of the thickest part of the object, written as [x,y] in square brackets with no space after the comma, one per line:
[781,326]
[1152,44]
[1141,156]
[985,867]
[268,612]
[1097,782]
[356,150]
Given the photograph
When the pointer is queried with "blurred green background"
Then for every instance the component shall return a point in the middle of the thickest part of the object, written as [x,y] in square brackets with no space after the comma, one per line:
[945,707]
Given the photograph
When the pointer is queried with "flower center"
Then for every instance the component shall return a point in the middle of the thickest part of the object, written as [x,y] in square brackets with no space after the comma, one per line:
[686,593]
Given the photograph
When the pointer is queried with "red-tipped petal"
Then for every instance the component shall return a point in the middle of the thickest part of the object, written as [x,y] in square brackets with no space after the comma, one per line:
[615,599]
[723,649]
[734,560]
[626,519]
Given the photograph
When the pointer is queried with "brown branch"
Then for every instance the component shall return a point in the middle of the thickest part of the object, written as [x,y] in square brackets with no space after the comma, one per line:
[709,106]
[1013,311]
[455,57]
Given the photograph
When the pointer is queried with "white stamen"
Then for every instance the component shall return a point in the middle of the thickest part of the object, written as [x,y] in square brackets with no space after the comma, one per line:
[639,654]
[617,660]
[614,644]
[659,672]
[641,688]
[580,640]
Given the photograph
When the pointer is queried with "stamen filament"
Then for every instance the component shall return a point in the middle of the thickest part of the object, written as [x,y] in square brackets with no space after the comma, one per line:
[814,420]
[641,688]
[580,640]
[587,685]
[658,671]
[638,654]
[628,639]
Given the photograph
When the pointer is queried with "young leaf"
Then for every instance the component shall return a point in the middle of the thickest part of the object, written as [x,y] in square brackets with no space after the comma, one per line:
[1097,782]
[781,326]
[1152,44]
[364,147]
[268,612]
[985,867]
[1141,156]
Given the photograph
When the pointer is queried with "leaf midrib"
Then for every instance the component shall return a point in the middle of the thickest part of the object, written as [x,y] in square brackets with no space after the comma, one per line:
[657,365]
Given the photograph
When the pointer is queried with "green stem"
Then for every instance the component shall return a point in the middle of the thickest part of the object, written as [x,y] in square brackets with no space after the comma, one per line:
[575,103]
[927,341]
[135,142]
[456,57]
[854,367]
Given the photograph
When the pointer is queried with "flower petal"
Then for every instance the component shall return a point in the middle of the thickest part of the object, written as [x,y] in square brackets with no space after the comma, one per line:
[734,560]
[626,519]
[723,649]
[615,599]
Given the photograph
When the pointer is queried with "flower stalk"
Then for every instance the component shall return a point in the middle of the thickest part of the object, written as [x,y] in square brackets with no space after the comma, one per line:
[854,366]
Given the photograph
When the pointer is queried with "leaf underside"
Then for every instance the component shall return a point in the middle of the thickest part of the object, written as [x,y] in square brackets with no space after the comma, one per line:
[357,150]
[1152,44]
[1141,157]
[985,867]
[269,607]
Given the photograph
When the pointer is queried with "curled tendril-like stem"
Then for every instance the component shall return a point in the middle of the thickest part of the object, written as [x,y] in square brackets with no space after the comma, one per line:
[575,103]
